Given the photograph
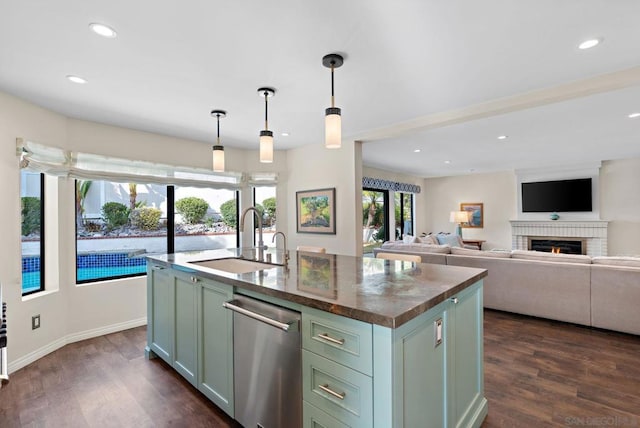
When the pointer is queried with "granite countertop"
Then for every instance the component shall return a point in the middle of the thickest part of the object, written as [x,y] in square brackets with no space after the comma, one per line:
[384,292]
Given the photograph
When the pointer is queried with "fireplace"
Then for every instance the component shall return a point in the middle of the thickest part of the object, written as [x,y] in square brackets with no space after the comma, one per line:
[593,232]
[558,245]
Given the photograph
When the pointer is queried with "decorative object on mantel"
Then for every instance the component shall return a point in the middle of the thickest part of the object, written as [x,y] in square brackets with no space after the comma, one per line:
[476,214]
[459,217]
[316,211]
[218,149]
[554,216]
[266,136]
[333,120]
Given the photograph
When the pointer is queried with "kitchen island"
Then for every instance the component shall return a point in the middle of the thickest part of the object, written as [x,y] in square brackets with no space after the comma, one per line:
[400,342]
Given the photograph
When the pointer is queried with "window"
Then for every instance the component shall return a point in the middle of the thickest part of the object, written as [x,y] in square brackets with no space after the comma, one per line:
[32,231]
[117,224]
[375,216]
[264,199]
[403,214]
[205,219]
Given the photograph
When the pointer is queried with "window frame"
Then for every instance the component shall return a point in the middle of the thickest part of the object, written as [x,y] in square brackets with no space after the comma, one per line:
[170,195]
[42,242]
[403,210]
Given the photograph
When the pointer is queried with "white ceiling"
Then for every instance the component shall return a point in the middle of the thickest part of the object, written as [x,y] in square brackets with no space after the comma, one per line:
[446,77]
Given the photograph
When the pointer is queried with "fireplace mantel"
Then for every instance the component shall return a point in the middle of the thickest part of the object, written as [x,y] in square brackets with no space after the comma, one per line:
[594,231]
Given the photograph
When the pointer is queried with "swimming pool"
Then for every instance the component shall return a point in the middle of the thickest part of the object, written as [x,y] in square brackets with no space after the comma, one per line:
[90,267]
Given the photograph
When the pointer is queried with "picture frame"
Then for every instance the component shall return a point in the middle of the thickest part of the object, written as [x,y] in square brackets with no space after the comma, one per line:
[476,217]
[316,211]
[317,274]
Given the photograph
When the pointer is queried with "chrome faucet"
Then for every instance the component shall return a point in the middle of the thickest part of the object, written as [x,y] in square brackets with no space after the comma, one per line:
[284,240]
[259,217]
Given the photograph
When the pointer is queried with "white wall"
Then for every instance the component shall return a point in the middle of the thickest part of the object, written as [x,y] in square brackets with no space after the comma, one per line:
[315,167]
[619,181]
[69,312]
[620,205]
[496,191]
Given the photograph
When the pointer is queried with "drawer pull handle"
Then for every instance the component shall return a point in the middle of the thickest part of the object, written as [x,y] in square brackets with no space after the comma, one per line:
[158,267]
[328,338]
[328,390]
[194,279]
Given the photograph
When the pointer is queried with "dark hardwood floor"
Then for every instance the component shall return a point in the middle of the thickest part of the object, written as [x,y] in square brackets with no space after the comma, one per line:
[537,373]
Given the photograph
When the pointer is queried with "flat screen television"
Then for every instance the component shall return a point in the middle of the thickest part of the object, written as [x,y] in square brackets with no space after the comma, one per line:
[561,196]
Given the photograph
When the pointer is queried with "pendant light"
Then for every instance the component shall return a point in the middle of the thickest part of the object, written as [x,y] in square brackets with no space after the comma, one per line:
[218,149]
[266,136]
[332,121]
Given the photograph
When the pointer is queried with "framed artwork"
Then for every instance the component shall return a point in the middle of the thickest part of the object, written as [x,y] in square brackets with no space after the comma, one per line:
[317,274]
[476,214]
[316,211]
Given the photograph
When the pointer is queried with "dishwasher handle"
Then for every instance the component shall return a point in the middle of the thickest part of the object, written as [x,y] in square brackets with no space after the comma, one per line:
[251,314]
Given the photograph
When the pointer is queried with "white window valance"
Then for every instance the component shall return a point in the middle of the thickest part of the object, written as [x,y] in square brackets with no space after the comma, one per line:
[65,163]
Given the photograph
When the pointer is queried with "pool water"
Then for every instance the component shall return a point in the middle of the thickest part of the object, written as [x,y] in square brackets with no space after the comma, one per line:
[89,269]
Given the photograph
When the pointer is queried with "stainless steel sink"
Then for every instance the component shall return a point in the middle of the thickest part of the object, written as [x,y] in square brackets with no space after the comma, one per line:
[234,265]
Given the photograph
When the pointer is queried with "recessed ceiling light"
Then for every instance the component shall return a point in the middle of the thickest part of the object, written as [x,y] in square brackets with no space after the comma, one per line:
[76,79]
[447,162]
[588,44]
[503,137]
[417,151]
[285,134]
[103,30]
[634,115]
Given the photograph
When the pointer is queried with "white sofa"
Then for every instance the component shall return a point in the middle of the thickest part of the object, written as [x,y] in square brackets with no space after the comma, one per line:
[601,292]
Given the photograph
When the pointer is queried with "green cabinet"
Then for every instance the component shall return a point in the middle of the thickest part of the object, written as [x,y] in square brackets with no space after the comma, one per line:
[190,329]
[160,304]
[429,371]
[465,360]
[216,345]
[185,358]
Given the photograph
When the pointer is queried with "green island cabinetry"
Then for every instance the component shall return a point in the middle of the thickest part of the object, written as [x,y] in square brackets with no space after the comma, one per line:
[190,330]
[426,373]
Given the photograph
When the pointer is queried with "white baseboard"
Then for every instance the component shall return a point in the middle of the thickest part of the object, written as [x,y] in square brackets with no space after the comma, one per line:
[71,338]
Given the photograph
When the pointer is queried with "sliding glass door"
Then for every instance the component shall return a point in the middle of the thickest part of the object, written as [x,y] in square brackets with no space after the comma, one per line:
[375,216]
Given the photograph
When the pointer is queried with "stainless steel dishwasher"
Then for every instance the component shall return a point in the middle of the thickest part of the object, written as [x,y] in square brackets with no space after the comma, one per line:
[267,366]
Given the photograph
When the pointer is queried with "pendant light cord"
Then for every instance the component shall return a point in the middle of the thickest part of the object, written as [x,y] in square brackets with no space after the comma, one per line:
[218,118]
[332,97]
[266,109]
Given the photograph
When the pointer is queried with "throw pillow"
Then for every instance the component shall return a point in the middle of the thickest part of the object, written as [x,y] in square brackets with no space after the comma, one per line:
[409,239]
[428,239]
[450,240]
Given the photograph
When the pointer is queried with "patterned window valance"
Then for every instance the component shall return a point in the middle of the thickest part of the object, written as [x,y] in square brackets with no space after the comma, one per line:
[380,184]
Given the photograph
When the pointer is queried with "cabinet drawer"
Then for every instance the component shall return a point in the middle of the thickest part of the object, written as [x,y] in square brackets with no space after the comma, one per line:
[339,339]
[316,418]
[340,391]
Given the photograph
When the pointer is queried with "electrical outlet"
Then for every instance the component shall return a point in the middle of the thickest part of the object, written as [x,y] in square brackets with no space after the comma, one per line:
[35,322]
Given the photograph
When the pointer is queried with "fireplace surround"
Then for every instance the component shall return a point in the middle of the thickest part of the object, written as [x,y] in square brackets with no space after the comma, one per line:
[593,232]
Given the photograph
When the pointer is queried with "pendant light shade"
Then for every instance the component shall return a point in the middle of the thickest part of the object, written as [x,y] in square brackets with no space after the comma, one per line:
[218,149]
[333,118]
[266,146]
[266,136]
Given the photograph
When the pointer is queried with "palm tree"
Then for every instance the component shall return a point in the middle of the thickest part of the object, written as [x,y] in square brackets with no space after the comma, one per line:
[82,188]
[133,194]
[372,198]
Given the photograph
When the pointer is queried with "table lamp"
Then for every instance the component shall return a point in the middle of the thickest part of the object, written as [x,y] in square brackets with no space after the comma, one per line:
[459,217]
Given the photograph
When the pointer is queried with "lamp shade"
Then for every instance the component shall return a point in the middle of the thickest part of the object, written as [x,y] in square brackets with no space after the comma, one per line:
[218,158]
[459,217]
[266,146]
[333,128]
